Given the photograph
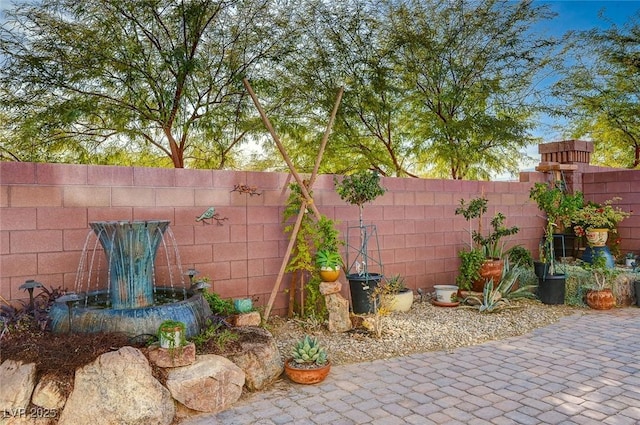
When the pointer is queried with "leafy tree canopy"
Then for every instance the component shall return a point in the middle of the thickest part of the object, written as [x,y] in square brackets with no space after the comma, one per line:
[601,92]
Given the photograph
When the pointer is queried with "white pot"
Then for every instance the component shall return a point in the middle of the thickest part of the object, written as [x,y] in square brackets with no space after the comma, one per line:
[629,262]
[446,293]
[171,339]
[401,301]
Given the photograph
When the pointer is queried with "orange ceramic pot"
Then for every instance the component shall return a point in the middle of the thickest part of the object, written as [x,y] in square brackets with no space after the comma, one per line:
[491,269]
[602,299]
[329,275]
[306,376]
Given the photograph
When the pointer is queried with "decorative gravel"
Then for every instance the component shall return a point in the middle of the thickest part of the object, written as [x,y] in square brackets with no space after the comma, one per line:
[424,328]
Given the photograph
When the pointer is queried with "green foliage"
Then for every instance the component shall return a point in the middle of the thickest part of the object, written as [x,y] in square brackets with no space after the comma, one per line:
[469,271]
[558,205]
[520,255]
[167,330]
[161,77]
[310,236]
[560,208]
[216,332]
[491,243]
[218,305]
[328,235]
[309,351]
[393,284]
[600,92]
[359,188]
[328,259]
[601,276]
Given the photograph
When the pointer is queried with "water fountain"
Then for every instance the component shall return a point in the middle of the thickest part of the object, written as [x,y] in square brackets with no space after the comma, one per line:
[130,303]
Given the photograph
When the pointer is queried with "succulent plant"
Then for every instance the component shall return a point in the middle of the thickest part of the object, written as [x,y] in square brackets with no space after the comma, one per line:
[308,351]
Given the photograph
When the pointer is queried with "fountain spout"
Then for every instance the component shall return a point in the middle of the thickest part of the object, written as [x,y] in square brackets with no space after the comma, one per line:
[131,249]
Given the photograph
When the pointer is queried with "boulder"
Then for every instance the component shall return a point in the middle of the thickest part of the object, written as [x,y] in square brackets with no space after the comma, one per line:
[245,319]
[118,388]
[211,384]
[49,393]
[17,382]
[258,357]
[172,357]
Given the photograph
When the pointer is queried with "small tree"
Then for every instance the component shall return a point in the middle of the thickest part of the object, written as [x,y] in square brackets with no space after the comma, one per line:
[358,189]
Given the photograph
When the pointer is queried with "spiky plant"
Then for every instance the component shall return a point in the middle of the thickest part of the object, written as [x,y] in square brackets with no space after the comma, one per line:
[309,351]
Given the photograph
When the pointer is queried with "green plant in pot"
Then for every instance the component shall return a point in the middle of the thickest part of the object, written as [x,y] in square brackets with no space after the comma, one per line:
[559,208]
[490,245]
[396,295]
[328,258]
[329,263]
[599,294]
[549,197]
[172,335]
[358,189]
[309,362]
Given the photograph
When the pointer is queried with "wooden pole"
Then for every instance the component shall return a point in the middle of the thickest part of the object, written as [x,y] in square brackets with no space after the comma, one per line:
[325,137]
[287,254]
[280,146]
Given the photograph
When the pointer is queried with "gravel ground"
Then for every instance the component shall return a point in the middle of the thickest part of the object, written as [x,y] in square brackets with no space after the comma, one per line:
[424,328]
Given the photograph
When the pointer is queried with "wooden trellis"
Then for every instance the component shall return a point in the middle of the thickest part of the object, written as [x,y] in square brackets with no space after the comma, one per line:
[305,187]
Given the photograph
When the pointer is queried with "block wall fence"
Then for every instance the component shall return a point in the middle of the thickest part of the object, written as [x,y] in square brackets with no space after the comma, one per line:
[45,211]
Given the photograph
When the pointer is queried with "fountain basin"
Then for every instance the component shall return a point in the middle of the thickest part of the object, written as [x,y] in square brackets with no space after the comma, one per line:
[192,311]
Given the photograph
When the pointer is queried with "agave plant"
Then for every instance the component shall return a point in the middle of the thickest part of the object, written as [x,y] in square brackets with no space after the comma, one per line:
[309,351]
[496,297]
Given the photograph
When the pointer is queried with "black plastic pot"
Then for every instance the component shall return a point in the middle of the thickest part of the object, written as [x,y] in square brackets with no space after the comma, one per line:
[551,289]
[541,269]
[361,288]
[636,287]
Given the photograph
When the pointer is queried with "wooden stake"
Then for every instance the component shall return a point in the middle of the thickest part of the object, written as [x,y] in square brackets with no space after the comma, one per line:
[287,254]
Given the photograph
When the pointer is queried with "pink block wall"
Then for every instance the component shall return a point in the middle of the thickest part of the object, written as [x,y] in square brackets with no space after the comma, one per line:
[45,210]
[625,184]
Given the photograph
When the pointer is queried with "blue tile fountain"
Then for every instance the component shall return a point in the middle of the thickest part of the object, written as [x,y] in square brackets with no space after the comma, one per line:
[131,302]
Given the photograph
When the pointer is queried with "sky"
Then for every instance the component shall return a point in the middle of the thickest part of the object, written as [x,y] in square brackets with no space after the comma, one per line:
[579,15]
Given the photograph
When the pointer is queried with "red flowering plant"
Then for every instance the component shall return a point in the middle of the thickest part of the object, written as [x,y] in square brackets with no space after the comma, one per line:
[598,216]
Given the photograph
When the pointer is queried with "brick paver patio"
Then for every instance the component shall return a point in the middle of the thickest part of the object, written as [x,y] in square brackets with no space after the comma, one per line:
[583,370]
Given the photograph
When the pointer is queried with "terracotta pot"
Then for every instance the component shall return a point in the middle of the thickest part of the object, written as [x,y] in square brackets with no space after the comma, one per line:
[306,376]
[597,237]
[329,275]
[491,269]
[602,299]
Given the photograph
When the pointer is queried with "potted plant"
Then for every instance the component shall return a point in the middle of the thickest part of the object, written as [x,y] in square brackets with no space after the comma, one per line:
[630,260]
[308,363]
[172,334]
[491,244]
[469,272]
[329,263]
[595,222]
[599,295]
[559,208]
[358,189]
[397,296]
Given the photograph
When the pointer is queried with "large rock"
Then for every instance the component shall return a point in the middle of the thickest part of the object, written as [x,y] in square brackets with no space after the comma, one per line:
[49,393]
[172,357]
[211,384]
[17,381]
[118,388]
[258,357]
